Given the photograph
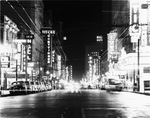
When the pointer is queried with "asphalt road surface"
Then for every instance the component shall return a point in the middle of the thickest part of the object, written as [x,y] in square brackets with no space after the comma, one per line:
[84,104]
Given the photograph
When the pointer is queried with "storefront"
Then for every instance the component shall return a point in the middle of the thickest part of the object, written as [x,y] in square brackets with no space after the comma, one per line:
[8,49]
[129,63]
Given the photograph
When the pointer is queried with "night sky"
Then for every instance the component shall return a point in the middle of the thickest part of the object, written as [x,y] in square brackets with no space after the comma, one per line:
[82,21]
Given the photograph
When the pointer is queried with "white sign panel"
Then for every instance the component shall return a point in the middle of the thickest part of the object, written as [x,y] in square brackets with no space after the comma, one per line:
[111,43]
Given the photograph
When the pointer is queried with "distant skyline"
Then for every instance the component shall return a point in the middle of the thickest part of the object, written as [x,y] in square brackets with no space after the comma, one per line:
[82,22]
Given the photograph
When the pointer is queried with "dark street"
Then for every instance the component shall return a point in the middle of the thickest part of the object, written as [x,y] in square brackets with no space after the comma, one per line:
[84,104]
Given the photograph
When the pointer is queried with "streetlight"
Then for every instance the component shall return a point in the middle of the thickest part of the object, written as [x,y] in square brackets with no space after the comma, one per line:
[64,38]
[47,72]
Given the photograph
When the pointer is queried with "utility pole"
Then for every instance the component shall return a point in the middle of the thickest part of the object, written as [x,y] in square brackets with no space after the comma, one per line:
[16,70]
[138,64]
[26,61]
[138,56]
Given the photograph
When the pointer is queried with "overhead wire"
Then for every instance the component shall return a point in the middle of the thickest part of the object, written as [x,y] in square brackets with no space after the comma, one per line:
[28,16]
[102,55]
[30,20]
[18,14]
[23,19]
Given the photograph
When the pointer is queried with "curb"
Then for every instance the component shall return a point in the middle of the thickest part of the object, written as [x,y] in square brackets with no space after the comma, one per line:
[136,92]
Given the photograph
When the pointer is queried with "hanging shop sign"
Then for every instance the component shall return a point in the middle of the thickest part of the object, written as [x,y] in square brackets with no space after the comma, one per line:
[47,30]
[29,38]
[134,20]
[5,62]
[59,64]
[111,43]
[48,50]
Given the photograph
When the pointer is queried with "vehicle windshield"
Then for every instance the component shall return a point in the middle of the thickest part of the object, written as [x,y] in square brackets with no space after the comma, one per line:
[32,83]
[27,82]
[17,83]
[114,82]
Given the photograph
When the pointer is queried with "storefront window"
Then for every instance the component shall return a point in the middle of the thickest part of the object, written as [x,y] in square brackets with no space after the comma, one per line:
[146,83]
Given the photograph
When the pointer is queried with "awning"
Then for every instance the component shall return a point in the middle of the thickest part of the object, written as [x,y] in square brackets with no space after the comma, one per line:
[13,75]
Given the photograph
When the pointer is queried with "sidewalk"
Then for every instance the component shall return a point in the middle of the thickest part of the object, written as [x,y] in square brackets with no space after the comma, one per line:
[142,93]
[4,93]
[148,93]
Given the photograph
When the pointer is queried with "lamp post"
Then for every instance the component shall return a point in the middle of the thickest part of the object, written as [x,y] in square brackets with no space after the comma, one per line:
[26,62]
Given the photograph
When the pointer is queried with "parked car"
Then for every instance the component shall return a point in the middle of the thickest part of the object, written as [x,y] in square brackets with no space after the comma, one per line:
[42,86]
[114,84]
[30,86]
[18,87]
[37,86]
[48,86]
[33,86]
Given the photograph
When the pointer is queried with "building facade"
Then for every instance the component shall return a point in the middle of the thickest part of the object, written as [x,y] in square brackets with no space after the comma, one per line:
[92,63]
[131,62]
[20,33]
